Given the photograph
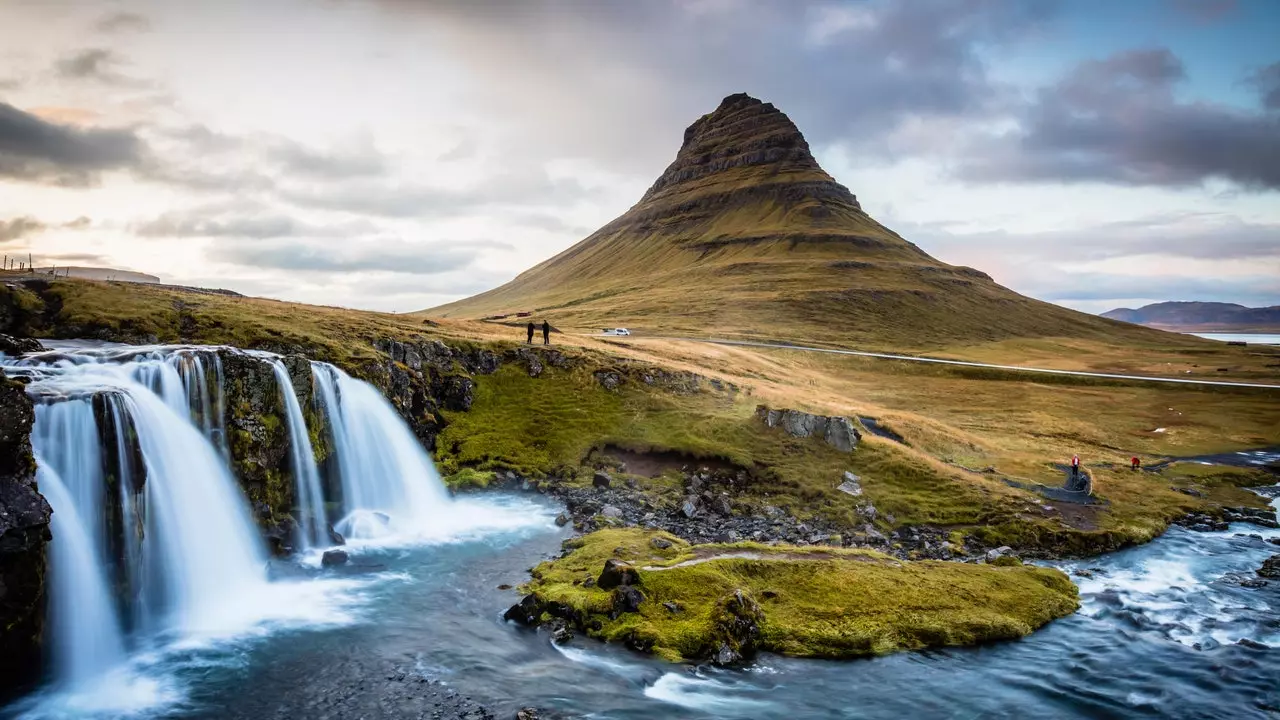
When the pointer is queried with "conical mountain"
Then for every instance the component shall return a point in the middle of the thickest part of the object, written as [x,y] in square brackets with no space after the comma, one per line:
[745,235]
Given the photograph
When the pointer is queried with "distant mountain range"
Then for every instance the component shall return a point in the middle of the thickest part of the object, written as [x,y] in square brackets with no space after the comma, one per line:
[1201,316]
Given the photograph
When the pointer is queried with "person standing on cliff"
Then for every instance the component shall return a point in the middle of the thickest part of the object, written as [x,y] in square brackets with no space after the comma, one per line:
[1075,471]
[530,340]
[546,333]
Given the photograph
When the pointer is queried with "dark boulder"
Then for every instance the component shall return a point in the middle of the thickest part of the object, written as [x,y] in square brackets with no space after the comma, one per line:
[722,506]
[525,612]
[1270,567]
[563,519]
[17,347]
[617,573]
[626,599]
[335,537]
[689,507]
[601,479]
[332,558]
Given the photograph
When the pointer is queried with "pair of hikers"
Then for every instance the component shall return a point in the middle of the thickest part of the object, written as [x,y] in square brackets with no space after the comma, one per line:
[546,333]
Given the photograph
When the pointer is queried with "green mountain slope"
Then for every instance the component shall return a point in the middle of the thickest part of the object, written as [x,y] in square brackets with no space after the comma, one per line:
[745,235]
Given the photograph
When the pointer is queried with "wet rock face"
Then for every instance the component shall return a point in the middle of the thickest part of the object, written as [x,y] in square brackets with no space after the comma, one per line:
[24,535]
[258,438]
[1270,567]
[838,432]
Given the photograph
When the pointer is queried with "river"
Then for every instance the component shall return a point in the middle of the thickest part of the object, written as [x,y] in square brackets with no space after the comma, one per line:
[1157,635]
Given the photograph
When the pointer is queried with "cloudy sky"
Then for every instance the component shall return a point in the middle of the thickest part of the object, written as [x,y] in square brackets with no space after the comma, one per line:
[397,154]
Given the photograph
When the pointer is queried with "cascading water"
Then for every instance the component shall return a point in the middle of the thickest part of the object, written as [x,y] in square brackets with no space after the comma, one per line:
[208,550]
[182,555]
[312,527]
[389,484]
[155,559]
[85,630]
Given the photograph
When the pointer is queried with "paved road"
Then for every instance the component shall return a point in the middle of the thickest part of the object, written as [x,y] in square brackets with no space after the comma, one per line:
[964,363]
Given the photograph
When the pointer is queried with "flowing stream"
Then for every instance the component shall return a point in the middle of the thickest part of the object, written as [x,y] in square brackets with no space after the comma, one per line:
[169,606]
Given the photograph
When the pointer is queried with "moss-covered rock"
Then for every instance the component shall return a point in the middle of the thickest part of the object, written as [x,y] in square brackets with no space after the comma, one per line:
[724,602]
[24,536]
[258,439]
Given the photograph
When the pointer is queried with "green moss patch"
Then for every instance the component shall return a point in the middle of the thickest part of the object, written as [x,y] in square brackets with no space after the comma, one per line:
[813,602]
[469,478]
[549,426]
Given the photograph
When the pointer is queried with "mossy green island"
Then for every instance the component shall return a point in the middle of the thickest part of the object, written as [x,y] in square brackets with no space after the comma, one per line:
[725,601]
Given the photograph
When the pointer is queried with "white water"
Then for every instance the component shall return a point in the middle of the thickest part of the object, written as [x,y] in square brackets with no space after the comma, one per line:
[312,525]
[390,488]
[86,634]
[210,557]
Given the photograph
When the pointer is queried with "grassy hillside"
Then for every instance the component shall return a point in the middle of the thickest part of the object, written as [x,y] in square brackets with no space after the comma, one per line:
[955,423]
[745,235]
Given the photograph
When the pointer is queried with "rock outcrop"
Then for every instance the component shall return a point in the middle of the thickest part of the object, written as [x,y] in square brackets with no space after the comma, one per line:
[24,537]
[838,432]
[17,347]
[258,439]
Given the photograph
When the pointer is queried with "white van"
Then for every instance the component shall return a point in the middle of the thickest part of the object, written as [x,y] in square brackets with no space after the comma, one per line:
[615,331]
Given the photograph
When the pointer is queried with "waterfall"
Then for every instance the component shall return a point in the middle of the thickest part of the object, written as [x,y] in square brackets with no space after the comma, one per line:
[66,433]
[208,552]
[153,541]
[389,484]
[85,630]
[180,555]
[312,525]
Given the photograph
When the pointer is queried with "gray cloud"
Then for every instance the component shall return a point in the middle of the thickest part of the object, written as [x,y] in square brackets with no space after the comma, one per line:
[123,22]
[582,76]
[1267,81]
[294,159]
[74,259]
[97,64]
[1201,236]
[1040,264]
[388,198]
[18,227]
[214,222]
[1118,120]
[36,150]
[386,255]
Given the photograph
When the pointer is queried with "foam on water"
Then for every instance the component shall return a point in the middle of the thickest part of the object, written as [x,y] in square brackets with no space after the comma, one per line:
[705,694]
[599,661]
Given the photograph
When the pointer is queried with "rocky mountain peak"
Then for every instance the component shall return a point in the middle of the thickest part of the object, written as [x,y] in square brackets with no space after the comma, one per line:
[742,132]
